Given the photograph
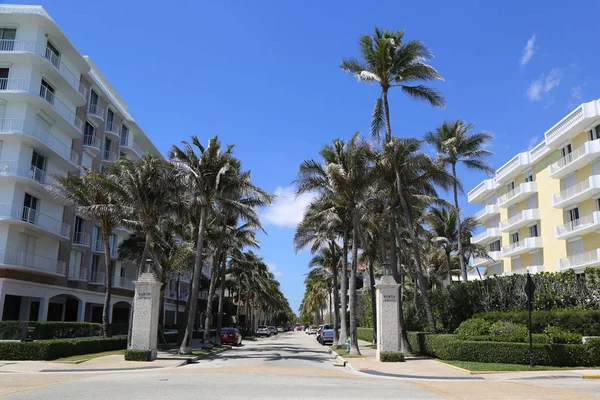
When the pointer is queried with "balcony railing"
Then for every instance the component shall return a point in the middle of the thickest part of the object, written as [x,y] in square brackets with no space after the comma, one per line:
[112,128]
[96,277]
[25,46]
[61,108]
[517,193]
[81,238]
[486,211]
[34,129]
[487,234]
[515,165]
[576,159]
[98,247]
[34,217]
[124,283]
[529,243]
[77,273]
[96,111]
[91,141]
[565,124]
[128,143]
[520,219]
[40,263]
[580,260]
[109,156]
[14,168]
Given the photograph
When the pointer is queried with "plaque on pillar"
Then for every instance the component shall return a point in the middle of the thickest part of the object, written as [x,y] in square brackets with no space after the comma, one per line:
[144,333]
[388,315]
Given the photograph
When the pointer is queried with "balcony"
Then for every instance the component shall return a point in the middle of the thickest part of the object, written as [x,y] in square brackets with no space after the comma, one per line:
[481,191]
[77,273]
[34,134]
[51,66]
[130,147]
[532,269]
[522,219]
[92,143]
[512,168]
[18,258]
[523,246]
[580,262]
[109,156]
[573,161]
[81,239]
[96,277]
[27,174]
[519,193]
[582,190]
[486,236]
[573,124]
[123,283]
[112,128]
[95,112]
[495,256]
[30,218]
[98,247]
[486,213]
[586,224]
[539,151]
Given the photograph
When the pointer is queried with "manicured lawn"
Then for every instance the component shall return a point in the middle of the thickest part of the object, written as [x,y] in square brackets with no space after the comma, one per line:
[86,357]
[479,366]
[342,352]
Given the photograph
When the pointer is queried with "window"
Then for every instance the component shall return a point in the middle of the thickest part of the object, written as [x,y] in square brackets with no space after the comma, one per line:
[4,78]
[124,135]
[514,238]
[598,204]
[7,39]
[79,230]
[30,205]
[495,246]
[95,269]
[565,151]
[47,91]
[38,166]
[510,186]
[94,99]
[107,146]
[595,133]
[528,175]
[573,214]
[53,54]
[75,260]
[110,120]
[533,231]
[89,135]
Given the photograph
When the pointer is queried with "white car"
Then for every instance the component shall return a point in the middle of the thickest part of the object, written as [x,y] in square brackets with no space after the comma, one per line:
[262,330]
[312,330]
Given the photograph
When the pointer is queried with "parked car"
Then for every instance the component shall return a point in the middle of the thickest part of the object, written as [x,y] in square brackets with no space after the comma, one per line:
[319,329]
[280,329]
[298,328]
[231,336]
[325,336]
[262,330]
[312,330]
[273,330]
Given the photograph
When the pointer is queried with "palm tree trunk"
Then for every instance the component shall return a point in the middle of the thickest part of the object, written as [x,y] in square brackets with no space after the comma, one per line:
[394,250]
[330,306]
[209,304]
[344,293]
[448,261]
[463,267]
[177,299]
[186,344]
[336,293]
[373,300]
[354,350]
[107,284]
[416,254]
[221,298]
[388,126]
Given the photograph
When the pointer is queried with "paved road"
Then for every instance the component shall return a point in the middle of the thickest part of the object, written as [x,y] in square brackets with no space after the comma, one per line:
[290,365]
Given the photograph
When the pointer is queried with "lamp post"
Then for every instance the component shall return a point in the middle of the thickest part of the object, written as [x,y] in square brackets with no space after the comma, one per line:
[387,271]
[149,264]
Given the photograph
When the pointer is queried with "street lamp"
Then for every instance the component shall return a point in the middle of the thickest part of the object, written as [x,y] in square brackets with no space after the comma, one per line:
[149,263]
[386,268]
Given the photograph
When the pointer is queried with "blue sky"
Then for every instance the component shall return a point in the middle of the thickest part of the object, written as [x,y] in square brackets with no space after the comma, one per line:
[265,76]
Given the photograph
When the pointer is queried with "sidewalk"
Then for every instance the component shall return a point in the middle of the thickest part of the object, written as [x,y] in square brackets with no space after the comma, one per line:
[428,368]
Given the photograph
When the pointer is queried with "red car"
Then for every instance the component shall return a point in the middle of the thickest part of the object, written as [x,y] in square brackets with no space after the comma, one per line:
[299,328]
[231,336]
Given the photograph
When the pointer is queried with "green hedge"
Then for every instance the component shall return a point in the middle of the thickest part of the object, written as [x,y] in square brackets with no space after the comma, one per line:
[391,356]
[449,347]
[584,322]
[365,334]
[138,355]
[12,330]
[53,349]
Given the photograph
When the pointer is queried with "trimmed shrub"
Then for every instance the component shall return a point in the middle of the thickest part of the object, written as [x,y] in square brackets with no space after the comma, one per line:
[562,336]
[365,334]
[53,349]
[138,355]
[584,322]
[391,356]
[593,346]
[504,331]
[473,327]
[10,330]
[536,338]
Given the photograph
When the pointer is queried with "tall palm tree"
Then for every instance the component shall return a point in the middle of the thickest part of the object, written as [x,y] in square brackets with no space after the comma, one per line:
[97,197]
[200,170]
[443,227]
[455,144]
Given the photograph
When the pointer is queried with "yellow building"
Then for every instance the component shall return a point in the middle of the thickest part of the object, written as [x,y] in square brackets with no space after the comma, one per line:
[541,210]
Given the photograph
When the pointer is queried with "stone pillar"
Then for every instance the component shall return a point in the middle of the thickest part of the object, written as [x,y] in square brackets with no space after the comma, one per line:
[25,307]
[144,333]
[388,313]
[81,312]
[43,311]
[2,297]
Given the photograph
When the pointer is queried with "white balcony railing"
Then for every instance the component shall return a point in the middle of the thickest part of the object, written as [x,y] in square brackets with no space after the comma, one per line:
[494,256]
[575,159]
[96,277]
[578,226]
[520,219]
[112,128]
[14,168]
[518,193]
[565,124]
[77,273]
[96,111]
[25,46]
[521,246]
[486,212]
[128,143]
[539,151]
[91,141]
[36,130]
[34,217]
[586,259]
[40,263]
[81,238]
[515,165]
[124,283]
[579,191]
[61,108]
[480,191]
[109,156]
[486,235]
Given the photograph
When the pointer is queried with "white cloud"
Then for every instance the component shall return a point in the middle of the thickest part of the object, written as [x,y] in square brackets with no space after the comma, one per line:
[577,92]
[287,210]
[273,269]
[544,84]
[528,51]
[532,142]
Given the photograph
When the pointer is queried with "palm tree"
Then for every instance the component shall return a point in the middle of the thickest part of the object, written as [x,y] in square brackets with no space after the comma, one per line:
[201,173]
[443,227]
[97,197]
[456,145]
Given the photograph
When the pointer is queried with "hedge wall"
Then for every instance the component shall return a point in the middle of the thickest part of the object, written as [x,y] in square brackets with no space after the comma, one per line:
[11,330]
[448,347]
[53,349]
[585,322]
[365,334]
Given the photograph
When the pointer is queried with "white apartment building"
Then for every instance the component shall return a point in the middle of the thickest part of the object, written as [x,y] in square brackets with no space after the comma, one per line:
[57,113]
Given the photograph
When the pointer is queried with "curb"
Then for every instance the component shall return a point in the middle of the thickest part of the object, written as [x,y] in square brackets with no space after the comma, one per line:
[590,376]
[337,356]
